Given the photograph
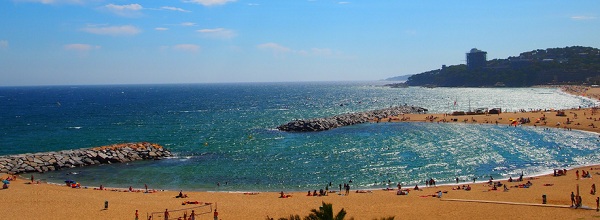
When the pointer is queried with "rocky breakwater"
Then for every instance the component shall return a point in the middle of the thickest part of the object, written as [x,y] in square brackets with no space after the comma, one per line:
[48,161]
[322,124]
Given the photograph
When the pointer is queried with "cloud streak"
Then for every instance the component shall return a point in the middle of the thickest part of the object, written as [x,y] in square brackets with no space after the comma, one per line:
[188,24]
[50,2]
[190,48]
[125,30]
[280,50]
[80,47]
[582,17]
[277,49]
[218,33]
[186,47]
[169,8]
[210,2]
[131,10]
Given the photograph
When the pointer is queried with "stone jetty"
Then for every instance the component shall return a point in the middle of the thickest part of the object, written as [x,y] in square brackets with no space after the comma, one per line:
[322,124]
[48,161]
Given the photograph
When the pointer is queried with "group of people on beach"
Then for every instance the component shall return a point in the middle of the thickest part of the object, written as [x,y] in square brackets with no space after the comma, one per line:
[584,174]
[326,191]
[185,216]
[315,193]
[7,181]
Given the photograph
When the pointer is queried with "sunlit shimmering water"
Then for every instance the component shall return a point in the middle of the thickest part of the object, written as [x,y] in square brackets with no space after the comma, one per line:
[224,133]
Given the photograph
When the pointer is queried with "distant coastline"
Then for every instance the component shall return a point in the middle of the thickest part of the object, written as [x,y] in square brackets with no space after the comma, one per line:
[552,66]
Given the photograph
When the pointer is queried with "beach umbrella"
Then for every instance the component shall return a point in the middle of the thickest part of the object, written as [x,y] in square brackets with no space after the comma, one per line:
[5,181]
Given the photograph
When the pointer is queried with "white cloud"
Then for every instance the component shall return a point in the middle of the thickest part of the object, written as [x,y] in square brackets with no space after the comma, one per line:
[210,2]
[343,3]
[279,50]
[161,29]
[49,2]
[275,48]
[188,24]
[131,10]
[186,47]
[130,7]
[582,17]
[173,9]
[81,47]
[3,44]
[113,30]
[220,33]
[253,4]
[321,51]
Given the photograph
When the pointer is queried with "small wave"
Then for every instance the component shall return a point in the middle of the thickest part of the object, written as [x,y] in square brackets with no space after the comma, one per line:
[191,111]
[499,168]
[436,165]
[279,109]
[76,128]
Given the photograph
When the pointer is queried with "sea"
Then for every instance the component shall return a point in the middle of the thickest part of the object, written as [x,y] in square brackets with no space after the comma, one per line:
[224,136]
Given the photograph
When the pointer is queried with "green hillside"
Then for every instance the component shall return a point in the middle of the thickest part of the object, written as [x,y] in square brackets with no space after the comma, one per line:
[569,65]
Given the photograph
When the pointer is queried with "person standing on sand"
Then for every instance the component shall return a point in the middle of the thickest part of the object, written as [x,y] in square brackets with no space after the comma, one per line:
[593,192]
[166,215]
[216,215]
[137,216]
[577,174]
[347,189]
[193,215]
[597,204]
[572,199]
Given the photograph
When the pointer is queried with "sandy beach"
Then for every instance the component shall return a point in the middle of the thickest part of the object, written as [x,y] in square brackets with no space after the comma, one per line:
[24,200]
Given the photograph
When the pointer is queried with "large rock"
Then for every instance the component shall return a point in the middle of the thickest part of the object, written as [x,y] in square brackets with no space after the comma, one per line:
[322,124]
[118,153]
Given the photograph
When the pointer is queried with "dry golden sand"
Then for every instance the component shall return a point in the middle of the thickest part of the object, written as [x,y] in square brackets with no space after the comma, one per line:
[47,201]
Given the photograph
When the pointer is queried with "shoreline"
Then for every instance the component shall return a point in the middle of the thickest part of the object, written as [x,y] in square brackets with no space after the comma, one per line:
[420,118]
[477,203]
[56,201]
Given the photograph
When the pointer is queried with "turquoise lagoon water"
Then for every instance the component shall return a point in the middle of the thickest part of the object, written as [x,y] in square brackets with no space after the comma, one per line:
[225,133]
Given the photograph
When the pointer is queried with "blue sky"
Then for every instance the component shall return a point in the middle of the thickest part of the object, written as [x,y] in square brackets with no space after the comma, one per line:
[77,42]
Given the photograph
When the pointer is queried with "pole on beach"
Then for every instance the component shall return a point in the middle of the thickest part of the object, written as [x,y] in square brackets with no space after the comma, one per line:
[577,198]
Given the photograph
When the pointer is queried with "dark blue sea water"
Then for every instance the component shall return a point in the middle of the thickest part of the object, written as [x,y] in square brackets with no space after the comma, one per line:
[225,133]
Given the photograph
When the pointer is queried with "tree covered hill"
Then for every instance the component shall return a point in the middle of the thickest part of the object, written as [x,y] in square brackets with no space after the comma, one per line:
[569,65]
